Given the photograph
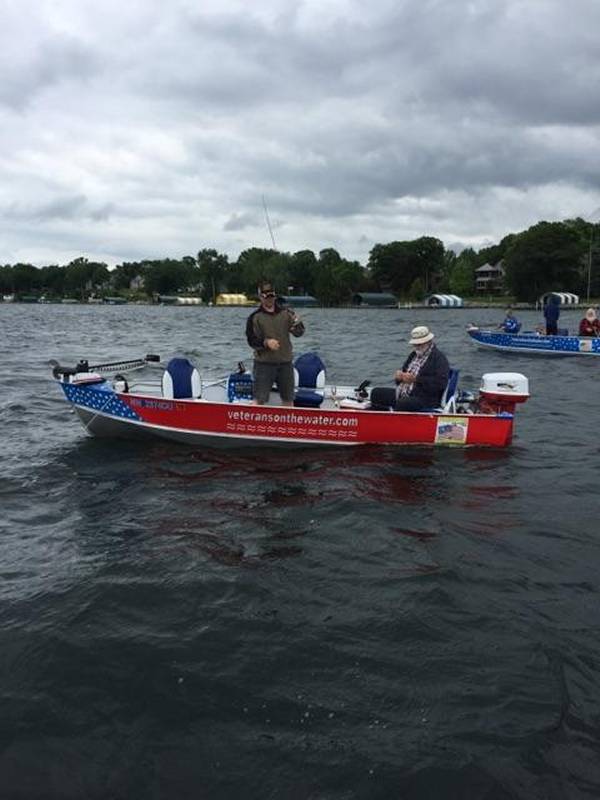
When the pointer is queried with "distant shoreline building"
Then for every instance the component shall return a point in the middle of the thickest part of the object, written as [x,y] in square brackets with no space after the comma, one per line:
[374,300]
[444,301]
[489,278]
[299,300]
[227,299]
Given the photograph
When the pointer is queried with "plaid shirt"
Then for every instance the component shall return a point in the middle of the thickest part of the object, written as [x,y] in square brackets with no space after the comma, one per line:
[415,366]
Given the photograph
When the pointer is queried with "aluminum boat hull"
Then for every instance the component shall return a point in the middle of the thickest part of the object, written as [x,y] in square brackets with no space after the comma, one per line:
[105,412]
[531,342]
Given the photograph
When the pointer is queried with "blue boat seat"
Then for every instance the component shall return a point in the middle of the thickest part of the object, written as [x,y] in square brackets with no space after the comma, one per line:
[448,401]
[240,386]
[181,380]
[309,379]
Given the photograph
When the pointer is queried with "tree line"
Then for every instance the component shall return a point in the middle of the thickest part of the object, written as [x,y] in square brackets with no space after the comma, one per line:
[558,256]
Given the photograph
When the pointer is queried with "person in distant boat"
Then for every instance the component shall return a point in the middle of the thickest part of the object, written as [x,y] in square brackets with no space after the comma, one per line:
[511,324]
[421,381]
[590,324]
[268,333]
[551,315]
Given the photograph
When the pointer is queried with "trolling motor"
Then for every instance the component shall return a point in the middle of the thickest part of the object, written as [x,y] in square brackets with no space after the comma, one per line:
[361,391]
[84,372]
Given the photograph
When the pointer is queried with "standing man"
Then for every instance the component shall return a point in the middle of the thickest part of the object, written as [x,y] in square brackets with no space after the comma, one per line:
[268,332]
[552,313]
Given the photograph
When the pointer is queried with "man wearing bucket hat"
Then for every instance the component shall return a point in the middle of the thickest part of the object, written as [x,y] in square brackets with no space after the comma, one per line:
[421,381]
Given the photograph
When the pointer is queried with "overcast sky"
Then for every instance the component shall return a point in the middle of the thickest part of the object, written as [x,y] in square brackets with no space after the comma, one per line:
[135,129]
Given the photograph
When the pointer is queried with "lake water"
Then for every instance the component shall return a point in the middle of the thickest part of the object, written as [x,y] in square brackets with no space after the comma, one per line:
[357,623]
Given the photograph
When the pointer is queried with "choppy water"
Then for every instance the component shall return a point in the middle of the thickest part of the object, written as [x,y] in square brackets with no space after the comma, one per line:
[364,623]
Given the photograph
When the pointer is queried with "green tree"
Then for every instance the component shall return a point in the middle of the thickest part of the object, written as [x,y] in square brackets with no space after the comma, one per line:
[25,278]
[168,276]
[257,264]
[336,278]
[449,261]
[462,276]
[52,280]
[417,291]
[212,268]
[7,283]
[546,257]
[303,268]
[495,253]
[124,273]
[83,277]
[397,265]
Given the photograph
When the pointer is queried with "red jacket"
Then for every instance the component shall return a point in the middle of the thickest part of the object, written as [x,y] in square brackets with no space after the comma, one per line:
[587,328]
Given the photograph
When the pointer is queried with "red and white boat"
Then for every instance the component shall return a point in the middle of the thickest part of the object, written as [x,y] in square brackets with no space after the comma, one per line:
[180,407]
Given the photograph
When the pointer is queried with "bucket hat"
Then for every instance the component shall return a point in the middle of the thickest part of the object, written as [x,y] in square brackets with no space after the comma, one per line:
[420,335]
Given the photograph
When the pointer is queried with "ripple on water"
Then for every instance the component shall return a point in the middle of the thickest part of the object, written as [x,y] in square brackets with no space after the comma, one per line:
[370,622]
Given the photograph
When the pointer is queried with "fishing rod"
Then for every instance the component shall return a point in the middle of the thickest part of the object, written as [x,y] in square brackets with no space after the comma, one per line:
[269,222]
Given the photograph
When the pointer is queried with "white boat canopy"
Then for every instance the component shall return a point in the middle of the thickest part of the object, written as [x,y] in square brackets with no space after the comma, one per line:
[444,300]
[564,298]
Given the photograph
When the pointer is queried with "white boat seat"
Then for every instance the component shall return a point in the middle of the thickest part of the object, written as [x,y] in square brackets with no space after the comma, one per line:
[181,380]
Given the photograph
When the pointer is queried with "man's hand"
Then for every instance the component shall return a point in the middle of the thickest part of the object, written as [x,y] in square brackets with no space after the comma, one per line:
[404,377]
[271,344]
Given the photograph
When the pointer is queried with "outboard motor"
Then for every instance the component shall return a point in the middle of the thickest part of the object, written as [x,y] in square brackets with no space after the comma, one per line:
[501,391]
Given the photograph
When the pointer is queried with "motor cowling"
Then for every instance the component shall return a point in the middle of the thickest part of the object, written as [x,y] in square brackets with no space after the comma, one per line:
[500,392]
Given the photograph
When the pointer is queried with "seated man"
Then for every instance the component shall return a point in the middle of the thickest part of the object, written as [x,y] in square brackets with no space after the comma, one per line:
[421,382]
[511,324]
[590,324]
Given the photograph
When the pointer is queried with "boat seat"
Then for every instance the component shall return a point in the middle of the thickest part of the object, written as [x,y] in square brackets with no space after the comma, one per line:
[240,386]
[448,401]
[181,380]
[309,379]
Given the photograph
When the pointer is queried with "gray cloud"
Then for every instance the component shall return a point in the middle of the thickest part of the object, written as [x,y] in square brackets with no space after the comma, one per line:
[160,128]
[70,208]
[238,222]
[54,60]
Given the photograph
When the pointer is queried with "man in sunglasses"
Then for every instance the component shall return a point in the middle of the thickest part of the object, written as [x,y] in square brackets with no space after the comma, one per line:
[268,332]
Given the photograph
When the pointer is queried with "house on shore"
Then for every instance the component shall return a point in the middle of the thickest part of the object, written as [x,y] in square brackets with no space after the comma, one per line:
[489,278]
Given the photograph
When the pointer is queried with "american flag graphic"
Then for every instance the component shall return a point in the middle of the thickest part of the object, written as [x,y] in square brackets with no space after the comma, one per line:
[99,398]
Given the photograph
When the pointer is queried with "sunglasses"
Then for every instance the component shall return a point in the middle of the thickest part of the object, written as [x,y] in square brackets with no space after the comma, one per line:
[267,294]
